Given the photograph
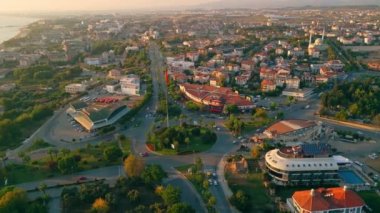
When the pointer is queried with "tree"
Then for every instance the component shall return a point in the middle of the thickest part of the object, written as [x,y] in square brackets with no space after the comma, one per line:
[212,201]
[232,109]
[133,166]
[25,158]
[67,164]
[180,208]
[234,124]
[341,115]
[100,206]
[157,208]
[260,113]
[376,120]
[280,115]
[112,153]
[42,188]
[153,174]
[133,195]
[187,141]
[273,106]
[171,195]
[13,200]
[198,164]
[70,198]
[255,152]
[240,200]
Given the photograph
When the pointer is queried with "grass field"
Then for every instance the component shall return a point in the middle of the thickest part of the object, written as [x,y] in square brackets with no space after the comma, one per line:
[252,185]
[91,157]
[371,199]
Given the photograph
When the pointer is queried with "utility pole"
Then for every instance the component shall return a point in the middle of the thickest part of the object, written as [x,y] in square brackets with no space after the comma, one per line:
[167,109]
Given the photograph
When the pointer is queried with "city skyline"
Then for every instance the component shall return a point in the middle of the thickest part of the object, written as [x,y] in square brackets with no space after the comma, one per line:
[100,5]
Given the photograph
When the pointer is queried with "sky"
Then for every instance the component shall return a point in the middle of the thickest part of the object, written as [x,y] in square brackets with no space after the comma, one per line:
[64,5]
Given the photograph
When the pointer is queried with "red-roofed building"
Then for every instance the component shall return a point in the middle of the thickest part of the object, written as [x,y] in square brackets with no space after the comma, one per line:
[247,65]
[215,97]
[326,200]
[179,77]
[268,85]
[293,130]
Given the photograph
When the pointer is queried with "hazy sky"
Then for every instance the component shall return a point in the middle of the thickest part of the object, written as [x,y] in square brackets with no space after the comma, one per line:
[43,5]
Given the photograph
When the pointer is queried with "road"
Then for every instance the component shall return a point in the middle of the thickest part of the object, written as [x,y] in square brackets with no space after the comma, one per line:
[210,158]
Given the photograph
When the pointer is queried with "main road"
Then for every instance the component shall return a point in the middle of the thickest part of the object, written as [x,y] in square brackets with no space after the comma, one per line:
[211,158]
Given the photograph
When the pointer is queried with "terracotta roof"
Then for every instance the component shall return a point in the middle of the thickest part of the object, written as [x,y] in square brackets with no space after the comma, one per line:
[210,93]
[267,82]
[285,126]
[327,199]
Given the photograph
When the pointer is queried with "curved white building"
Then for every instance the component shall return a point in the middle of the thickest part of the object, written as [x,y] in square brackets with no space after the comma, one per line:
[294,166]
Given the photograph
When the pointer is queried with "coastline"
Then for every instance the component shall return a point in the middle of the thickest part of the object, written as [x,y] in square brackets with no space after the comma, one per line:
[10,30]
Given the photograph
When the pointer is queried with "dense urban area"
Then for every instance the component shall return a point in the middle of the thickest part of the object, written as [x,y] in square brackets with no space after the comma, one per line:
[239,110]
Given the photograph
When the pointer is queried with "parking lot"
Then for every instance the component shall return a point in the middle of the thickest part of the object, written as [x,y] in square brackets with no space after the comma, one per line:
[64,128]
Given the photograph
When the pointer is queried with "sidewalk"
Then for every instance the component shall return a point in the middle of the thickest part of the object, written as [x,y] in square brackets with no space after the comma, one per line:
[351,124]
[223,182]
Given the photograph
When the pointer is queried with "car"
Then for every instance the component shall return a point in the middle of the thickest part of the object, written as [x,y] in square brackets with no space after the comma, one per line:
[234,142]
[81,178]
[144,154]
[215,183]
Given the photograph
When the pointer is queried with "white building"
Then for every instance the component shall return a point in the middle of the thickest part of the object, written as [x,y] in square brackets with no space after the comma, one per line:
[93,61]
[308,164]
[300,94]
[75,88]
[293,83]
[130,85]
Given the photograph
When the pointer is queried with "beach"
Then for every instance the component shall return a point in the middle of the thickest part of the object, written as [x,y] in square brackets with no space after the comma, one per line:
[10,26]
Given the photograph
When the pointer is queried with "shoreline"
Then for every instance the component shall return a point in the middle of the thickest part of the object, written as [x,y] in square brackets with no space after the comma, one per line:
[17,33]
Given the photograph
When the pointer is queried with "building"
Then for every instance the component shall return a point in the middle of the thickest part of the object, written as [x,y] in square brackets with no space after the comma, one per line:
[299,94]
[201,77]
[215,98]
[112,87]
[374,65]
[247,65]
[94,61]
[130,85]
[293,83]
[75,88]
[101,113]
[114,74]
[293,130]
[268,85]
[308,164]
[4,72]
[326,200]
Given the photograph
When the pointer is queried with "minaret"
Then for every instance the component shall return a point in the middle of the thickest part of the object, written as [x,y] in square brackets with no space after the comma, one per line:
[310,39]
[323,34]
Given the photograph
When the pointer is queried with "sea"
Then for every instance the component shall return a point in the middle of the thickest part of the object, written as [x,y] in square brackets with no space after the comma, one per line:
[10,26]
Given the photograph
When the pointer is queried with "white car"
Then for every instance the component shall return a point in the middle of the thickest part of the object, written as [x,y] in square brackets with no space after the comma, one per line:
[215,183]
